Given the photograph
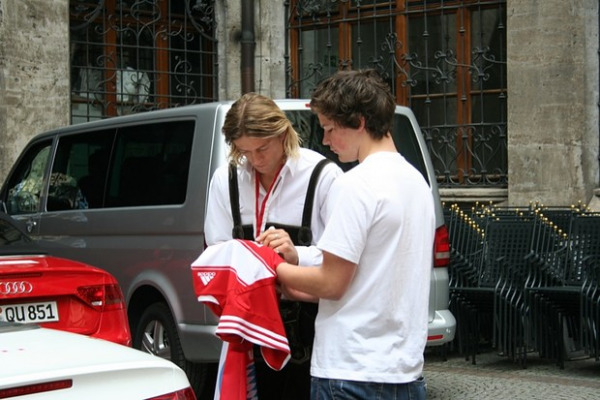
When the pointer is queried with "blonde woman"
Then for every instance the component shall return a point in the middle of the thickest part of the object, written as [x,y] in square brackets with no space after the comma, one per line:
[270,175]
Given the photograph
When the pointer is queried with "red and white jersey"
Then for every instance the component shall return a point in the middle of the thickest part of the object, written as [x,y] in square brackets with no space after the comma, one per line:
[236,280]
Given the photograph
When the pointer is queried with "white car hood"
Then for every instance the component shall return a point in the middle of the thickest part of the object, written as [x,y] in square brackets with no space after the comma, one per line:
[41,355]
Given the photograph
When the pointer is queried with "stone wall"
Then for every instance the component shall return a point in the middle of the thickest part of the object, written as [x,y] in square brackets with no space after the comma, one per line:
[552,49]
[34,72]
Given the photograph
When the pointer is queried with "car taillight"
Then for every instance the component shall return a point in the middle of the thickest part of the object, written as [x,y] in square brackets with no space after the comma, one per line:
[183,394]
[35,388]
[441,247]
[103,297]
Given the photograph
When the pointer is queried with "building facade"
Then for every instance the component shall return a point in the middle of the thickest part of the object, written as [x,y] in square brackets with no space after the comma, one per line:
[505,91]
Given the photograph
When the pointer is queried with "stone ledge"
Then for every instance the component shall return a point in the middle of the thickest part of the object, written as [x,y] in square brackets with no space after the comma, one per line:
[498,196]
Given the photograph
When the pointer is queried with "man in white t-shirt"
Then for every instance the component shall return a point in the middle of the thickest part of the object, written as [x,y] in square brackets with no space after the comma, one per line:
[373,284]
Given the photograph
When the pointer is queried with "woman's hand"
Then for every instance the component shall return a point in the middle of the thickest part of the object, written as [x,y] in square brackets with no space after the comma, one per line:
[280,241]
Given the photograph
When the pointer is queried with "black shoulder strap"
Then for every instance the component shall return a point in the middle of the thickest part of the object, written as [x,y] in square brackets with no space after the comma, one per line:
[234,199]
[305,234]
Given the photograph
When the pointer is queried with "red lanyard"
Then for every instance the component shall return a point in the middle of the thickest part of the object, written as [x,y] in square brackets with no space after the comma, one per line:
[260,212]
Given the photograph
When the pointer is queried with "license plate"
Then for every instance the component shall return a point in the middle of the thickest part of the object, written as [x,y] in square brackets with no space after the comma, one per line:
[29,313]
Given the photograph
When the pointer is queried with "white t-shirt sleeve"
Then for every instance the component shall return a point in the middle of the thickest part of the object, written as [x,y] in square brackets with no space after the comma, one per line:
[309,255]
[218,223]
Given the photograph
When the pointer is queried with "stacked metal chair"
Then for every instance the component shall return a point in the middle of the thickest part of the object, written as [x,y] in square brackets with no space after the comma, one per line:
[590,310]
[509,240]
[589,231]
[484,277]
[557,312]
[526,280]
[466,255]
[549,255]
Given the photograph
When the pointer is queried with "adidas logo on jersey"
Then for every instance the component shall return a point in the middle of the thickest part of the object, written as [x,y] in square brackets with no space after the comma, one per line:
[206,276]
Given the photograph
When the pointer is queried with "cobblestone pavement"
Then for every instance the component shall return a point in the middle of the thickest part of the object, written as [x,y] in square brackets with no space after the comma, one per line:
[496,377]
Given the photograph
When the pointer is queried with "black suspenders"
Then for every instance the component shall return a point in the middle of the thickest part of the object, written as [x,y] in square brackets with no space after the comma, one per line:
[304,233]
[234,199]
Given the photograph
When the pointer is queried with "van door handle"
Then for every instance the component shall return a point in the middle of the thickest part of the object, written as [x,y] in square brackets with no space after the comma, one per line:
[30,224]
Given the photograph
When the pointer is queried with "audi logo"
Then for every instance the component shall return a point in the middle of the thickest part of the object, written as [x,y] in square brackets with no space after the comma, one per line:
[17,287]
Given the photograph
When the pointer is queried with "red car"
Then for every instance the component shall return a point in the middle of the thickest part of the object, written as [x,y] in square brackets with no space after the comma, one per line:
[55,292]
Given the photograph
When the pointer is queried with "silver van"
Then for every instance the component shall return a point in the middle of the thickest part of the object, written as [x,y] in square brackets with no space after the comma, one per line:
[128,194]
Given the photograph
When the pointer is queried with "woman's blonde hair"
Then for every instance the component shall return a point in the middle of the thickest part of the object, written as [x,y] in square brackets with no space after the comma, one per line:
[258,116]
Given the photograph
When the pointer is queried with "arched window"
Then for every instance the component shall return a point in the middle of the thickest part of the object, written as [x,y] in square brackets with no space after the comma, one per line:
[131,56]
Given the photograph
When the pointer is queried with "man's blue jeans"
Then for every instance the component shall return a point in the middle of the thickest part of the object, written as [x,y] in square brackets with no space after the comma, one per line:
[334,389]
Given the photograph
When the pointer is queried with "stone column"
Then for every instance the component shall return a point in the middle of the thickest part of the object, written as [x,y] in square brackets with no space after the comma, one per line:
[270,48]
[34,72]
[552,49]
[269,31]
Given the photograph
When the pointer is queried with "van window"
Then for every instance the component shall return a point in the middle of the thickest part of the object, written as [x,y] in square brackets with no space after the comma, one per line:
[407,143]
[26,183]
[149,164]
[122,167]
[79,170]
